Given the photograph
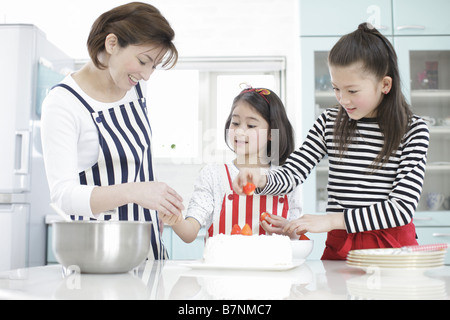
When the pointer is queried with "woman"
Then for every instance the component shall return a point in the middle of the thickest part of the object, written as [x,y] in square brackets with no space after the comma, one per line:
[96,137]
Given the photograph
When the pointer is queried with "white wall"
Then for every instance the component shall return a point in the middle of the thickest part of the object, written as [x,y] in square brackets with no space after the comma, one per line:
[66,23]
[241,28]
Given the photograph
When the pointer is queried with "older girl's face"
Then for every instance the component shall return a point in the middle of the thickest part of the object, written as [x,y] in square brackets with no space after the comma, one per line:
[249,133]
[131,64]
[358,92]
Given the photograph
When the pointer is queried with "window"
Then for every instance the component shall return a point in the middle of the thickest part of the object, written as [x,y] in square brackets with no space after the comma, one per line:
[172,103]
[188,105]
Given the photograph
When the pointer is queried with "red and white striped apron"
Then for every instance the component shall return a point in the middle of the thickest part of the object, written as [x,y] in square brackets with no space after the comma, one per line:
[243,210]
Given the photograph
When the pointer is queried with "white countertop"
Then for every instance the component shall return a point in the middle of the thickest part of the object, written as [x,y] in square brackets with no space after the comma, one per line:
[173,279]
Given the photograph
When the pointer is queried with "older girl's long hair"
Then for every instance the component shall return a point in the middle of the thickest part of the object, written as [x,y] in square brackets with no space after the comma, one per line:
[368,46]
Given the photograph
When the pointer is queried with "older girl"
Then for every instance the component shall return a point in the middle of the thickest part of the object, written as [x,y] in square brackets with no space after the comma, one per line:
[376,147]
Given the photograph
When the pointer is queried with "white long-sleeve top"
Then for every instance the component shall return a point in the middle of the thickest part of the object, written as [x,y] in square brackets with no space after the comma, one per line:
[209,190]
[70,145]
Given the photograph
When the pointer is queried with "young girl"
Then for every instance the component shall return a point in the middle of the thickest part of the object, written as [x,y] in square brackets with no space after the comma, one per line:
[376,147]
[260,134]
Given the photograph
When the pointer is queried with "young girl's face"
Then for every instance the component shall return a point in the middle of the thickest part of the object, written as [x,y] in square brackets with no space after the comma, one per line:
[248,133]
[358,91]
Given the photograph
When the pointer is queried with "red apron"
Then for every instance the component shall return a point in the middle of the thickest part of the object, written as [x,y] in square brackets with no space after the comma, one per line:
[243,210]
[339,242]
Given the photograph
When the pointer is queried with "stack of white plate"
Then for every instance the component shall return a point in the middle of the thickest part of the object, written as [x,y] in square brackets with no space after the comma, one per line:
[395,260]
[394,287]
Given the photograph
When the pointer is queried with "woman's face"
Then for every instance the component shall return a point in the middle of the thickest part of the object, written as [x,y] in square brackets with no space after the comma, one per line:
[358,92]
[249,132]
[133,63]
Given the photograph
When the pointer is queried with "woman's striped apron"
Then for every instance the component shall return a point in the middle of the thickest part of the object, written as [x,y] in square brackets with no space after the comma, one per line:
[124,156]
[243,210]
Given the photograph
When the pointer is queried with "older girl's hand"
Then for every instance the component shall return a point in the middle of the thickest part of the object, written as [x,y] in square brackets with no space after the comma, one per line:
[315,224]
[276,224]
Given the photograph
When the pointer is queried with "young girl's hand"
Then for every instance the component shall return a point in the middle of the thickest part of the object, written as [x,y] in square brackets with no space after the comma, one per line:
[170,219]
[255,175]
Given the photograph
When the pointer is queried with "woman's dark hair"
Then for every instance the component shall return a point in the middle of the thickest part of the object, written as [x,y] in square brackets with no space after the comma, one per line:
[369,47]
[134,23]
[271,108]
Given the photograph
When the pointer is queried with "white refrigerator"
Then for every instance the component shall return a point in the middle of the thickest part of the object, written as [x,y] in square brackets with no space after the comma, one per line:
[30,65]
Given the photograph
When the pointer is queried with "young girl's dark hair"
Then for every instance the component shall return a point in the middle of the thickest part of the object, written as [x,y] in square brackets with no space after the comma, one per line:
[135,23]
[368,46]
[271,108]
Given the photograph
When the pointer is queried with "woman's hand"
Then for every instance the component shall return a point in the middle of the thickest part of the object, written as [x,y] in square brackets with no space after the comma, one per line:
[158,196]
[256,175]
[151,195]
[315,224]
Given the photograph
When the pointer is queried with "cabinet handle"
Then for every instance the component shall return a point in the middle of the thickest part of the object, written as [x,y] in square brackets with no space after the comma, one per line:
[440,235]
[22,152]
[423,218]
[411,26]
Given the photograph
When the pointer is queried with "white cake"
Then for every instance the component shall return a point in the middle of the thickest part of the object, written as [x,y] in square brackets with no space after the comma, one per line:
[248,251]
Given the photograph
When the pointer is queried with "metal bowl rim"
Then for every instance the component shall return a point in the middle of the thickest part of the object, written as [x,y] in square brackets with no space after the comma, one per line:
[103,222]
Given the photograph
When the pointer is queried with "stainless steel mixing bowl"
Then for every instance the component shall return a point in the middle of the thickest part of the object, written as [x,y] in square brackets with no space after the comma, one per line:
[102,246]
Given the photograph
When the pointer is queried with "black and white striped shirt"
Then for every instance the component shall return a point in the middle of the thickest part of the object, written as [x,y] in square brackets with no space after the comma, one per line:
[371,199]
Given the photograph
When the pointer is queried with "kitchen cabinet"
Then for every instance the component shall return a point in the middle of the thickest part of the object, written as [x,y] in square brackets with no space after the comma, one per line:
[432,235]
[13,244]
[317,95]
[331,18]
[419,17]
[179,250]
[424,63]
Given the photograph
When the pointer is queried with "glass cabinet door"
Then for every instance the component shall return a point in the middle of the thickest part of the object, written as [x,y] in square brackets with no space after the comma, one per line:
[425,73]
[317,95]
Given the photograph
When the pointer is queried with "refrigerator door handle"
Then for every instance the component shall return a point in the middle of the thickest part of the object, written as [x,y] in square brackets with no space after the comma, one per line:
[22,152]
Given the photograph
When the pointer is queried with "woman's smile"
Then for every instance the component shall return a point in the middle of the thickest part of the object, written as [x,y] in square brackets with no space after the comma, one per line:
[133,80]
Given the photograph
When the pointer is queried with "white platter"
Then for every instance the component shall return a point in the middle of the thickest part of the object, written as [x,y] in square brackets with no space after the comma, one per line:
[200,265]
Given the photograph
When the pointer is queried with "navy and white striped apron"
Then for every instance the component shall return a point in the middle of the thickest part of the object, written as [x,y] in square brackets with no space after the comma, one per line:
[124,156]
